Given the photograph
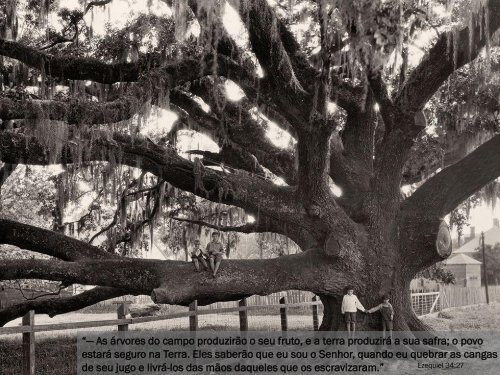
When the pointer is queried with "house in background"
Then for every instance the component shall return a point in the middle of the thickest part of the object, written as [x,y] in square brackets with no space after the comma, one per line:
[467,270]
[471,243]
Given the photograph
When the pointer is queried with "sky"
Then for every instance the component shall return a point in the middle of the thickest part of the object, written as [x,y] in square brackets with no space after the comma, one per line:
[481,219]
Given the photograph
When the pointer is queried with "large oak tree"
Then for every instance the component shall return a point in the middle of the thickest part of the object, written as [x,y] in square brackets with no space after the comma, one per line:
[358,123]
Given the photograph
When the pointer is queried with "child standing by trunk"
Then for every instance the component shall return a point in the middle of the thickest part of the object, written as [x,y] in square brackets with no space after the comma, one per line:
[350,305]
[387,312]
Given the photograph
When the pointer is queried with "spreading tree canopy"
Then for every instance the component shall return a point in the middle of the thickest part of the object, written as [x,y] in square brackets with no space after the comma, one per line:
[372,95]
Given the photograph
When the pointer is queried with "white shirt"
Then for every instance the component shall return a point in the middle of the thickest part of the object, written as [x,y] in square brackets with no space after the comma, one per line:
[351,303]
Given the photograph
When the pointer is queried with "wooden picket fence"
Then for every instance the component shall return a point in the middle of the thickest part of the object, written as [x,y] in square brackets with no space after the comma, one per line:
[29,327]
[452,296]
[422,302]
[292,296]
[456,296]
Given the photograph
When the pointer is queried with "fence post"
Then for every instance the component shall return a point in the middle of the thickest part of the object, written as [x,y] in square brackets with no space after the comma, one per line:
[193,319]
[29,344]
[315,314]
[284,319]
[122,312]
[243,315]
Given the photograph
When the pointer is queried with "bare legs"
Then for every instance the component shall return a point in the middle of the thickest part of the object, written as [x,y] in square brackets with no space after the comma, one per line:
[387,326]
[214,264]
[217,264]
[351,328]
[196,262]
[204,262]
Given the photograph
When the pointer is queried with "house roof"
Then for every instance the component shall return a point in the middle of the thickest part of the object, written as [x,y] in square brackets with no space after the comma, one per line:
[461,259]
[491,237]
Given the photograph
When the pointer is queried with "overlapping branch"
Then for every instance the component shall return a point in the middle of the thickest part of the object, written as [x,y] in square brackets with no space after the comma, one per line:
[310,270]
[244,228]
[68,67]
[268,46]
[237,188]
[74,111]
[452,51]
[150,89]
[119,272]
[47,242]
[56,306]
[446,190]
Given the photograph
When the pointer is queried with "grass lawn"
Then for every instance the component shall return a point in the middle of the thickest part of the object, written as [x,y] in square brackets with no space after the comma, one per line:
[476,318]
[56,351]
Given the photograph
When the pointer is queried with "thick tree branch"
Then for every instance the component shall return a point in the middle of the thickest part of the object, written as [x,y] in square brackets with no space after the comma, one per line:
[150,89]
[268,47]
[300,63]
[94,70]
[313,149]
[244,228]
[267,44]
[56,306]
[311,270]
[451,51]
[72,112]
[425,160]
[72,67]
[358,140]
[239,188]
[447,189]
[315,194]
[136,275]
[47,242]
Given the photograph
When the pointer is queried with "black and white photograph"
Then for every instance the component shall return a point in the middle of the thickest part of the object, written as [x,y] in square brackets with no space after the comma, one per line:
[249,187]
